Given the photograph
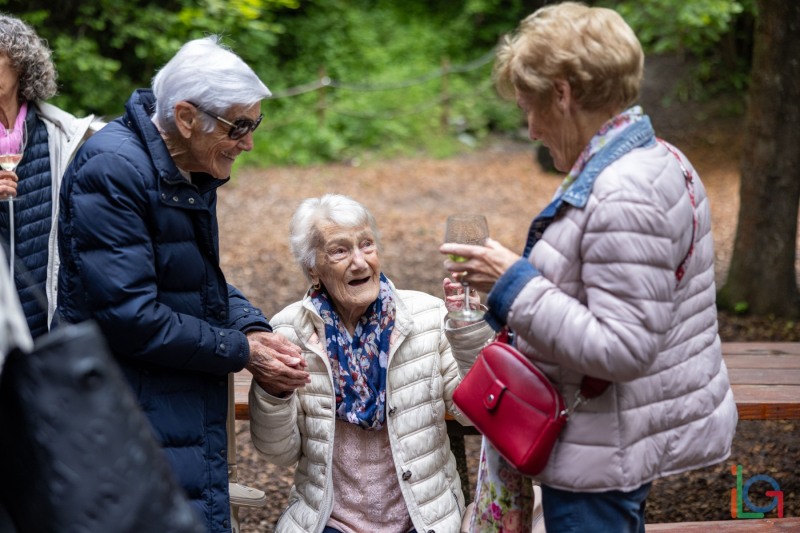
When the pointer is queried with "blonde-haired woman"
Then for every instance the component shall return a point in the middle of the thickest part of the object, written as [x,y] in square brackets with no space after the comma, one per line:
[616,282]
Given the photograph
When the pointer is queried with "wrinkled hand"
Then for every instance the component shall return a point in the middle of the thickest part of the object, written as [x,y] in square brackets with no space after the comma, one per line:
[484,264]
[8,184]
[276,364]
[454,295]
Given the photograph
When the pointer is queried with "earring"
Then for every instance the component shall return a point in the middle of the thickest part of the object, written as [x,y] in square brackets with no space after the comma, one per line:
[316,285]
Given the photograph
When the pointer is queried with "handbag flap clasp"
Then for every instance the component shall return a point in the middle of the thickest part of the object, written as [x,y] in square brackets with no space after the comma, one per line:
[492,394]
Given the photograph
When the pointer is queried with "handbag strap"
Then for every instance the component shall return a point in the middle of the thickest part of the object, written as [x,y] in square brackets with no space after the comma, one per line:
[689,181]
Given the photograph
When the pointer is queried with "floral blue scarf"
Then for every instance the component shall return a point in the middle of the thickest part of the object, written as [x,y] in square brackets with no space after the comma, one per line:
[359,363]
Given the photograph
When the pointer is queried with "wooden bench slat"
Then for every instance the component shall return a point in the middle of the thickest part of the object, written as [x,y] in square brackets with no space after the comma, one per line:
[729,526]
[767,402]
[760,348]
[763,376]
[782,361]
[758,394]
[241,385]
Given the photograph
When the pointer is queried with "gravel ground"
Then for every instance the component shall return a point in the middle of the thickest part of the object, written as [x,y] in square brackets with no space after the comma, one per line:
[410,199]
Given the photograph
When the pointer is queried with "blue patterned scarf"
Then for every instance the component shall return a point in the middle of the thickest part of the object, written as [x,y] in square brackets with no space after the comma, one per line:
[359,362]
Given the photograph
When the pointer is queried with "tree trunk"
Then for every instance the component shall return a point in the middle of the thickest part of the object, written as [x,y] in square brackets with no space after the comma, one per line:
[762,273]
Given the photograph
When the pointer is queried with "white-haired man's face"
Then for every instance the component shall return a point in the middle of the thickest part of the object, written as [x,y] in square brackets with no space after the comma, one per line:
[214,152]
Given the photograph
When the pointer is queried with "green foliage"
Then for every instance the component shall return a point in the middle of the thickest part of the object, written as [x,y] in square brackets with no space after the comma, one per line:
[715,33]
[104,49]
[411,76]
[678,25]
[387,92]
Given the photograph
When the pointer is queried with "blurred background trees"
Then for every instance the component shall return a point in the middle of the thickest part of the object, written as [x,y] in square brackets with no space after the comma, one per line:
[354,79]
[763,272]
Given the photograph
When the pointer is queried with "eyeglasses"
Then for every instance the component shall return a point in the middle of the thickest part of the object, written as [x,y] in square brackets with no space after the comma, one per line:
[239,128]
[342,251]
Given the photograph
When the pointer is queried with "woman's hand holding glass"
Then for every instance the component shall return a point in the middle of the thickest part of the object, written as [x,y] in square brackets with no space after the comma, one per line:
[483,265]
[466,229]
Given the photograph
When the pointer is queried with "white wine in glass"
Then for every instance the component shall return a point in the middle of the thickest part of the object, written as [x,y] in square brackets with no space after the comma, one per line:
[12,147]
[466,229]
[9,162]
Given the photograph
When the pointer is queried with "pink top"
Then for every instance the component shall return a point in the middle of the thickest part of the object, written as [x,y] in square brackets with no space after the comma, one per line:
[11,140]
[366,492]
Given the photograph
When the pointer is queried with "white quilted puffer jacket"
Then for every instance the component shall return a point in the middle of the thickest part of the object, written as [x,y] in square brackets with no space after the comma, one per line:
[608,304]
[422,375]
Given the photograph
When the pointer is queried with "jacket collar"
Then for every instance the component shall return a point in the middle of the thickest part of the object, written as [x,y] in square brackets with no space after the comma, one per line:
[138,112]
[72,126]
[636,135]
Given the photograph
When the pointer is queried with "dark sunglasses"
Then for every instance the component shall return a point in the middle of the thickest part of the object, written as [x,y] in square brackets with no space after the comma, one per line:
[239,128]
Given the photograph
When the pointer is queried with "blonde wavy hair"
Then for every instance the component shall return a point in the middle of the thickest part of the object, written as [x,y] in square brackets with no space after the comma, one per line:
[592,48]
[30,57]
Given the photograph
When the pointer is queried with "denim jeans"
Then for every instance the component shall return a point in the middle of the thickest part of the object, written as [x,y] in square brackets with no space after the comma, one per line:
[599,512]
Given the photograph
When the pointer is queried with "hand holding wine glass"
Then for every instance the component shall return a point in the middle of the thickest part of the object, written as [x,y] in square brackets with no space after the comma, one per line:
[12,147]
[466,229]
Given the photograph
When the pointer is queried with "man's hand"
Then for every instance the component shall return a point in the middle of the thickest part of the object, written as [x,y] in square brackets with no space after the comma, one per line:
[276,364]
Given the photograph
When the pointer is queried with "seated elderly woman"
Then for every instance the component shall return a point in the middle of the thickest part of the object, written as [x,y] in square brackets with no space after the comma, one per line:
[368,432]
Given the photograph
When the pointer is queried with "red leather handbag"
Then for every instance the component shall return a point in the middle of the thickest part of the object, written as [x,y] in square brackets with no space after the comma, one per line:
[515,406]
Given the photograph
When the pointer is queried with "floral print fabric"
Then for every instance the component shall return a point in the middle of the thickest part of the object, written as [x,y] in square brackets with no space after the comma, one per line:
[359,362]
[503,498]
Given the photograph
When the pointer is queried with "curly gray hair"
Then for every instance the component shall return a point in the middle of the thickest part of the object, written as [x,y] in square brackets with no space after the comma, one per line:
[30,56]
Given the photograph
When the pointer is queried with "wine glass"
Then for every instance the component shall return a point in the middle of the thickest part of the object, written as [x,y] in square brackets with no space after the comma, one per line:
[466,229]
[12,147]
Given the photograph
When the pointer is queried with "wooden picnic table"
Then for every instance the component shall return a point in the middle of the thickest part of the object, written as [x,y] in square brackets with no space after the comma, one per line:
[765,377]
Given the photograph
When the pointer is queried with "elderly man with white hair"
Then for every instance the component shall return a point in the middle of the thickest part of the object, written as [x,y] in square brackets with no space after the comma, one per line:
[138,238]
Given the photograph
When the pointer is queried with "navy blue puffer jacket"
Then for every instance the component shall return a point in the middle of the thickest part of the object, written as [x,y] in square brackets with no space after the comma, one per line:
[139,255]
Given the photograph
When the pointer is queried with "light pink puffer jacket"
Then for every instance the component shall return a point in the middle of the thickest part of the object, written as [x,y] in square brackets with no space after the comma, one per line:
[608,305]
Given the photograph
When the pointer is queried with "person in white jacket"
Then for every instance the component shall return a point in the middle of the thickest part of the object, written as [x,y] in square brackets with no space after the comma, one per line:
[368,432]
[29,192]
[616,281]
